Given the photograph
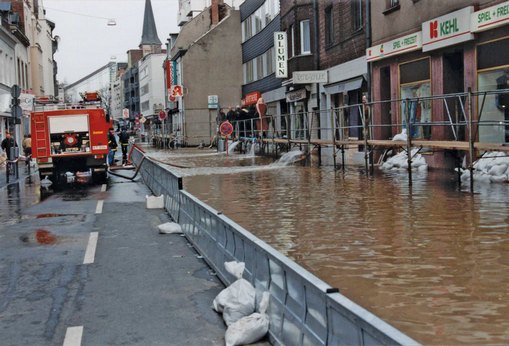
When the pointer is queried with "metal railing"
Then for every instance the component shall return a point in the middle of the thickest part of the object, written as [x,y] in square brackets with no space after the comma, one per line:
[303,310]
[464,116]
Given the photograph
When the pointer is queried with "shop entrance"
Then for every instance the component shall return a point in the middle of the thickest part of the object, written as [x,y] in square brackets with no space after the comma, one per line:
[385,94]
[453,80]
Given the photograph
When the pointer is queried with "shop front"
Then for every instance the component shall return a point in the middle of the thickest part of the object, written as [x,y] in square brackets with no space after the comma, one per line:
[459,51]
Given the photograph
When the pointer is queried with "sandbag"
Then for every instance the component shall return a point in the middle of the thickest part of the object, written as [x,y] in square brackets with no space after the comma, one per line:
[169,228]
[251,328]
[235,268]
[237,300]
[155,202]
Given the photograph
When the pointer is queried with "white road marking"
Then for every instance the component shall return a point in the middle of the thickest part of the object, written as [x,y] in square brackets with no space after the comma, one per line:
[99,208]
[73,336]
[103,188]
[90,252]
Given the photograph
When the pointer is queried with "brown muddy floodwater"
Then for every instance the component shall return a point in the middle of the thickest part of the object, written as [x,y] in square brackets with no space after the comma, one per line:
[429,259]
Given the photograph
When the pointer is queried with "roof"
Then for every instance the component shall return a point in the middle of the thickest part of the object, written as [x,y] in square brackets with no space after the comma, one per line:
[149,35]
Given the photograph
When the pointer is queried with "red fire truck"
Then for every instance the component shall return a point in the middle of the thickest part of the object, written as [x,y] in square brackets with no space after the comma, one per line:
[71,140]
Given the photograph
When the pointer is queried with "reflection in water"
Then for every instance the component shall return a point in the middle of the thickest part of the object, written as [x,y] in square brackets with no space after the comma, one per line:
[428,258]
[14,198]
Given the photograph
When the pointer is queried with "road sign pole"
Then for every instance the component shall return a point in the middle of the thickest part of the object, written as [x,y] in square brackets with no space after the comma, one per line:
[226,145]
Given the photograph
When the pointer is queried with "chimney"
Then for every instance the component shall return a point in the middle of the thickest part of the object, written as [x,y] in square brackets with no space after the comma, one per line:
[214,11]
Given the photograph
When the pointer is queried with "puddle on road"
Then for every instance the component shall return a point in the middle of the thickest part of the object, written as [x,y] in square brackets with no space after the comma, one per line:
[40,236]
[47,215]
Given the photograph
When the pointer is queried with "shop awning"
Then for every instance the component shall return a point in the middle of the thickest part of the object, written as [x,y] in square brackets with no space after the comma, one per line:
[345,86]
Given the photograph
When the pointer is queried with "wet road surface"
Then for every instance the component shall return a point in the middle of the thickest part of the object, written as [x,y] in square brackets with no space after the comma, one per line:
[73,267]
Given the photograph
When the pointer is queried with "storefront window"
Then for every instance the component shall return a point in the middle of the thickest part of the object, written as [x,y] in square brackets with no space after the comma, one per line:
[496,107]
[415,85]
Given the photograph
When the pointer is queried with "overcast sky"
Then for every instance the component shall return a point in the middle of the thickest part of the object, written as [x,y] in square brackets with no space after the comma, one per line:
[87,43]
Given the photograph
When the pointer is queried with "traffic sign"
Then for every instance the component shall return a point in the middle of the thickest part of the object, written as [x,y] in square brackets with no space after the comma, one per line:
[15,91]
[213,101]
[176,91]
[162,115]
[226,128]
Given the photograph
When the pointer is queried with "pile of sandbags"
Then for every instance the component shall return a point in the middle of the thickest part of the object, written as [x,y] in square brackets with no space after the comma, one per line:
[237,300]
[237,303]
[493,167]
[400,161]
[251,328]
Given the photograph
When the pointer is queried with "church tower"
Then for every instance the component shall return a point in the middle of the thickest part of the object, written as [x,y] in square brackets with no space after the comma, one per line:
[150,43]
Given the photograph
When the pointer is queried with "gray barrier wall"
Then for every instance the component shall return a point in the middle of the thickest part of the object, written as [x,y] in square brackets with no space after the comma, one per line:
[303,310]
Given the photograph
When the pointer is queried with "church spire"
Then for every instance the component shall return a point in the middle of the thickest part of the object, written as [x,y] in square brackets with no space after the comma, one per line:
[149,36]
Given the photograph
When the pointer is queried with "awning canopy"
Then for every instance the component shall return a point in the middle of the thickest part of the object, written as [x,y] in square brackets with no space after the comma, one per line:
[344,86]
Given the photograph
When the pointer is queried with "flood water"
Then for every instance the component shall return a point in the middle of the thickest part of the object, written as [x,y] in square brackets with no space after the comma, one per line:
[431,260]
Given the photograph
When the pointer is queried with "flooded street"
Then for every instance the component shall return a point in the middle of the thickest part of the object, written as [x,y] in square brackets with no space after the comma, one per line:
[429,259]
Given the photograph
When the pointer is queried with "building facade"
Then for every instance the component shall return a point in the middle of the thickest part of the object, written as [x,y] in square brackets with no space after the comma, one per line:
[451,47]
[131,85]
[7,78]
[343,36]
[208,63]
[33,66]
[151,80]
[101,80]
[260,20]
[300,23]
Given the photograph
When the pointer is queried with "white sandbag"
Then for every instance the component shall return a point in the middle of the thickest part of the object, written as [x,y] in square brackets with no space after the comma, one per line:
[497,169]
[154,202]
[498,178]
[251,328]
[46,182]
[169,228]
[482,178]
[235,268]
[236,301]
[400,136]
[422,168]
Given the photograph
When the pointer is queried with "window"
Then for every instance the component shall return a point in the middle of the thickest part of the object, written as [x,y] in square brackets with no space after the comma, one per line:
[258,16]
[305,41]
[247,27]
[493,74]
[259,67]
[414,85]
[391,6]
[357,14]
[329,26]
[144,90]
[248,72]
[292,39]
[270,61]
[145,106]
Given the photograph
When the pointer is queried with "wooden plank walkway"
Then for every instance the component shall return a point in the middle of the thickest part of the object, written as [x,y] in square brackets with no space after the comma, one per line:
[435,145]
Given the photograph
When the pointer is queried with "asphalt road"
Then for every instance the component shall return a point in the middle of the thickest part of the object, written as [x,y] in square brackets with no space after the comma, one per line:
[134,287]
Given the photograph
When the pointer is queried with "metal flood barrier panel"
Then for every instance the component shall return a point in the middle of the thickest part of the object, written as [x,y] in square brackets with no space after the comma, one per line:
[160,180]
[303,309]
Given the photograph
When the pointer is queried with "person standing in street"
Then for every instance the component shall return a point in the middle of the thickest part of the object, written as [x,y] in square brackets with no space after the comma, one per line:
[7,144]
[27,149]
[112,146]
[123,138]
